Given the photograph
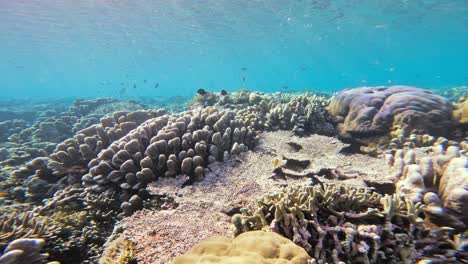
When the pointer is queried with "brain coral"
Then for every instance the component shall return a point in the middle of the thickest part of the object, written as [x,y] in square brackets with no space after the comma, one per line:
[255,247]
[375,110]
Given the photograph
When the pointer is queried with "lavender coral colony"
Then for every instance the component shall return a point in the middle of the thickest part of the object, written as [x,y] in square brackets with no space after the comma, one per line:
[69,176]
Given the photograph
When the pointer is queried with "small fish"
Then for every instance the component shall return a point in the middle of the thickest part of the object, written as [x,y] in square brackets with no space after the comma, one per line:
[134,86]
[156,85]
[3,194]
[19,67]
[275,163]
[144,81]
[201,91]
[224,92]
[121,83]
[243,68]
[123,90]
[285,87]
[243,79]
[303,68]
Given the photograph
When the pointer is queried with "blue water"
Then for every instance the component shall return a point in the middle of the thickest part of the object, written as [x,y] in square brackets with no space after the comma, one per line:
[91,48]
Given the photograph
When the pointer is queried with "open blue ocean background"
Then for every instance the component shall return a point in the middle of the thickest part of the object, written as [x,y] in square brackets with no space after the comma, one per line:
[143,48]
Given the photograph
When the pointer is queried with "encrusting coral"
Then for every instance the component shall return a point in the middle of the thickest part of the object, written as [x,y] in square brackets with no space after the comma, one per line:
[343,224]
[255,247]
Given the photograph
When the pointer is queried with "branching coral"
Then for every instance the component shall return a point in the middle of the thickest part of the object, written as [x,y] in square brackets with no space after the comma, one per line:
[344,224]
[24,225]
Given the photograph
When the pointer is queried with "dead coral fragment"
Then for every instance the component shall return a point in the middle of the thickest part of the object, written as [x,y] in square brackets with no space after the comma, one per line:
[249,248]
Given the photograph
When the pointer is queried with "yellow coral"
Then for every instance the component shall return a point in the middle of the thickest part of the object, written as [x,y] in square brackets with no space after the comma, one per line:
[255,247]
[119,251]
[461,113]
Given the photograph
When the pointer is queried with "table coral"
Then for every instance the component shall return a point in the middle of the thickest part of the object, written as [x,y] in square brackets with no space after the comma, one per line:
[255,247]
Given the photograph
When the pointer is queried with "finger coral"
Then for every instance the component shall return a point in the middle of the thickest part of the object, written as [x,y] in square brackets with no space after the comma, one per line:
[166,146]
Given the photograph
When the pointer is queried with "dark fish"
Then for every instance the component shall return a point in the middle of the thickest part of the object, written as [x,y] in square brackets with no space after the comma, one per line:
[243,79]
[156,85]
[121,83]
[285,87]
[201,91]
[19,67]
[224,92]
[303,68]
[123,91]
[144,81]
[243,68]
[134,86]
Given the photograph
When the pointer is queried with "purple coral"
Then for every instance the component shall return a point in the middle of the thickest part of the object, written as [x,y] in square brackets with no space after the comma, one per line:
[375,110]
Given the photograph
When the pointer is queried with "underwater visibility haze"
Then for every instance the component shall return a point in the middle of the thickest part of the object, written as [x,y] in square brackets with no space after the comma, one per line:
[94,48]
[247,131]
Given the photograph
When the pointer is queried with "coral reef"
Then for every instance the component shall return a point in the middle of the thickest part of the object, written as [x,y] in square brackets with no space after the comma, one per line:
[25,251]
[437,176]
[368,111]
[166,146]
[250,247]
[342,224]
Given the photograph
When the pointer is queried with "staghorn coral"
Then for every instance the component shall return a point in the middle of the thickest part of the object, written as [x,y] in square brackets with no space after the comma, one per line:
[24,225]
[25,251]
[345,224]
[366,111]
[119,251]
[437,176]
[250,247]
